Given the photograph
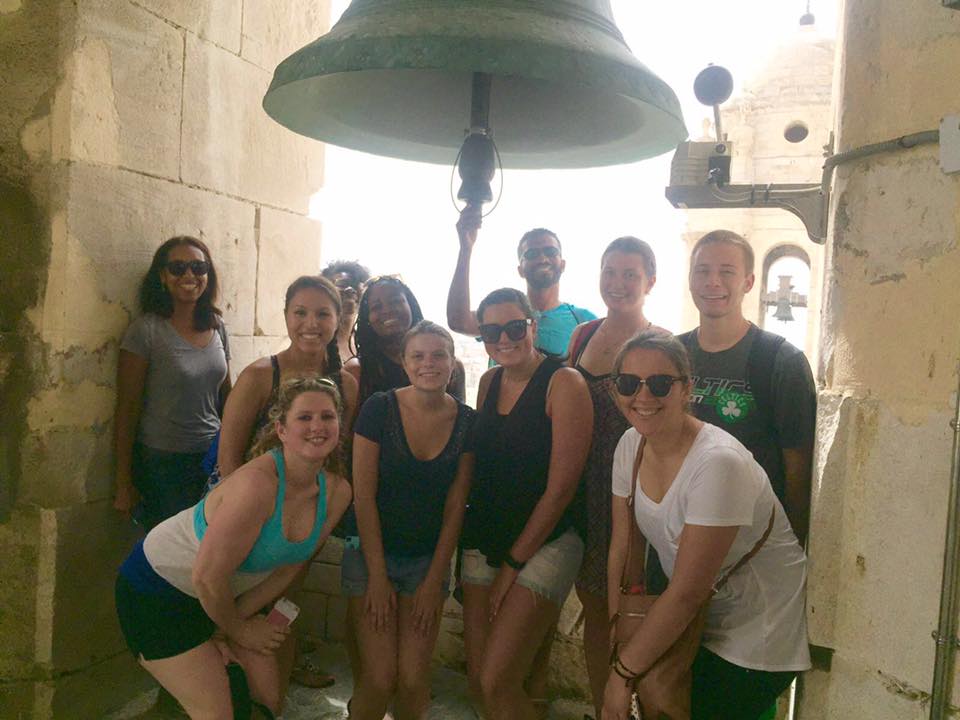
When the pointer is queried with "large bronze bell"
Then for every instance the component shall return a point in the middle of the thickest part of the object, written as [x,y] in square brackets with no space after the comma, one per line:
[395,78]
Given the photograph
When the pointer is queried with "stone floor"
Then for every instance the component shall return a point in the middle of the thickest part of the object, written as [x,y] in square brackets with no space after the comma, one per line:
[449,702]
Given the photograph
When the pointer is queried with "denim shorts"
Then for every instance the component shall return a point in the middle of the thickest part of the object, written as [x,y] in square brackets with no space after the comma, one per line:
[549,573]
[405,573]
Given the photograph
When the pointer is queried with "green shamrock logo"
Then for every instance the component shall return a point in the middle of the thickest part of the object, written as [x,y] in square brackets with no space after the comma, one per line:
[732,406]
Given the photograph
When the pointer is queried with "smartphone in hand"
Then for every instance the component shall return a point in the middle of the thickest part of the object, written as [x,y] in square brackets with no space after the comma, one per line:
[283,613]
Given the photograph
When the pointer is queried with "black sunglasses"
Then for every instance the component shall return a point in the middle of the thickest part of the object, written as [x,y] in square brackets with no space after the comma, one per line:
[179,267]
[515,330]
[533,253]
[658,385]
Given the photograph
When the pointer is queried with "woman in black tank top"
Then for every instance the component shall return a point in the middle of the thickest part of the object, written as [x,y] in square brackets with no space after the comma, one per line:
[628,270]
[312,315]
[521,550]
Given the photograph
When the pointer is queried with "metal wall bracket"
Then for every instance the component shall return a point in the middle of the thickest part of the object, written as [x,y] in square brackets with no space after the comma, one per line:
[944,640]
[808,201]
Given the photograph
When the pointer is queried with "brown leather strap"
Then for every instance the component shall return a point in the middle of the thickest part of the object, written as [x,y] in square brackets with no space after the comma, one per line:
[746,558]
[625,583]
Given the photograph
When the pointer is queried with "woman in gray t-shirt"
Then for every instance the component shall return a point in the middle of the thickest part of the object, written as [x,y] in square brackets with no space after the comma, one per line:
[172,377]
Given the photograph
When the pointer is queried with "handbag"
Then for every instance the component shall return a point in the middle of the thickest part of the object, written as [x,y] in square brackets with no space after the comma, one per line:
[663,691]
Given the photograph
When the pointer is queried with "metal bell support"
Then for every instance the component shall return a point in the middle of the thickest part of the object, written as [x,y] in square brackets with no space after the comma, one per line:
[553,80]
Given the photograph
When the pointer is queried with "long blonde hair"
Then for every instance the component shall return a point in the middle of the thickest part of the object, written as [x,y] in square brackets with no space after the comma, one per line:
[289,391]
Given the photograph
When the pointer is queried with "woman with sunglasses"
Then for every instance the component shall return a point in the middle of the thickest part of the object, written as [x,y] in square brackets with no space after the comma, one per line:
[172,378]
[708,509]
[628,271]
[388,309]
[521,550]
[412,467]
[350,277]
[192,595]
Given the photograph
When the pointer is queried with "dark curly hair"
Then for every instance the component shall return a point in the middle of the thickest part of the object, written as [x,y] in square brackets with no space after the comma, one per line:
[154,297]
[358,273]
[373,373]
[318,282]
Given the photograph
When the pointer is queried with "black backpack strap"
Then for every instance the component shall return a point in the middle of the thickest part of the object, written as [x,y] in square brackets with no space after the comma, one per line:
[689,339]
[760,362]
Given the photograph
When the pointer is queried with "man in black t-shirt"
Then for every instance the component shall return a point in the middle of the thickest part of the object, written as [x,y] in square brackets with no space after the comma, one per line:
[751,383]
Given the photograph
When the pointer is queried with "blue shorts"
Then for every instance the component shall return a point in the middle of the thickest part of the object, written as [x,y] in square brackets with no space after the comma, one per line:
[406,574]
[549,573]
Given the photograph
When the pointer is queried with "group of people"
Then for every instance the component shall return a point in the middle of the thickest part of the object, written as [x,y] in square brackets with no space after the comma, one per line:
[583,428]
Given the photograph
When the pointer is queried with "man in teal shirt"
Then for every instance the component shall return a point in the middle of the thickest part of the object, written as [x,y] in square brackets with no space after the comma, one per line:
[540,263]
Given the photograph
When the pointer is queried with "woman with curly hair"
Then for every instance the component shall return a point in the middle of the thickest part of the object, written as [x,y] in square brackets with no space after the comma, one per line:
[387,310]
[191,594]
[172,378]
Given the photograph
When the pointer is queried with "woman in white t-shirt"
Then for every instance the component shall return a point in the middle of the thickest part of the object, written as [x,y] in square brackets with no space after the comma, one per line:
[703,503]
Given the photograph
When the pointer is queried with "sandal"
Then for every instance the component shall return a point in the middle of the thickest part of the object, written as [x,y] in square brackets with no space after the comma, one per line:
[311,675]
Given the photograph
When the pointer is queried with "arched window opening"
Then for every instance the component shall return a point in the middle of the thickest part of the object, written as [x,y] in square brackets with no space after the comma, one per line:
[785,294]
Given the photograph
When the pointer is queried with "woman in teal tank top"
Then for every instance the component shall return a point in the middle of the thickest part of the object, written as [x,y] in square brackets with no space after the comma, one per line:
[215,566]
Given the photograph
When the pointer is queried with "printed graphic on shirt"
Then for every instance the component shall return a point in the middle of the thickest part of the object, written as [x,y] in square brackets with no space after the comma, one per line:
[731,400]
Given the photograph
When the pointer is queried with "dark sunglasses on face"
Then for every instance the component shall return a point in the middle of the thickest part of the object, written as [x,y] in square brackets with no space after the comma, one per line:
[179,267]
[515,330]
[548,251]
[658,385]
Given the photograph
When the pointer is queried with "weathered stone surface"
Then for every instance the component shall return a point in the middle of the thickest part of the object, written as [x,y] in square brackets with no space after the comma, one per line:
[92,692]
[289,247]
[82,597]
[273,29]
[831,468]
[323,578]
[48,484]
[218,21]
[336,618]
[331,552]
[20,546]
[216,144]
[120,100]
[312,620]
[29,72]
[890,345]
[114,249]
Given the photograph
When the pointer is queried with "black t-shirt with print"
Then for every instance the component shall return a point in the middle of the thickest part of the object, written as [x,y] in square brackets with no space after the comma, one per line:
[723,396]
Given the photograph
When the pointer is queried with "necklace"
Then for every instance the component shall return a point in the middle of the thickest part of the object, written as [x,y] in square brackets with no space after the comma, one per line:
[609,348]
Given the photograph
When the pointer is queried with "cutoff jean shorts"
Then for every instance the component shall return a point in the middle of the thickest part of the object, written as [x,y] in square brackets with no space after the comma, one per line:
[550,573]
[406,574]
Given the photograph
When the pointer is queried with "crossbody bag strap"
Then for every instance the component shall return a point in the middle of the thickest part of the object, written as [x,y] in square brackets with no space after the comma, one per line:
[746,558]
[625,582]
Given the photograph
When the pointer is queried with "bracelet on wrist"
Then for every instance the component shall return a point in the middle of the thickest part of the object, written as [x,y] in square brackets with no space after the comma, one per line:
[514,563]
[623,671]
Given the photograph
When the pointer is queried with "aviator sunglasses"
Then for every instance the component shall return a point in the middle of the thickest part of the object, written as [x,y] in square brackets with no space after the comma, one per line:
[548,251]
[658,385]
[179,267]
[515,330]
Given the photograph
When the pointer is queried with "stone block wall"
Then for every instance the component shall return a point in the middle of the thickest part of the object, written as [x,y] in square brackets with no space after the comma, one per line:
[890,345]
[124,122]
